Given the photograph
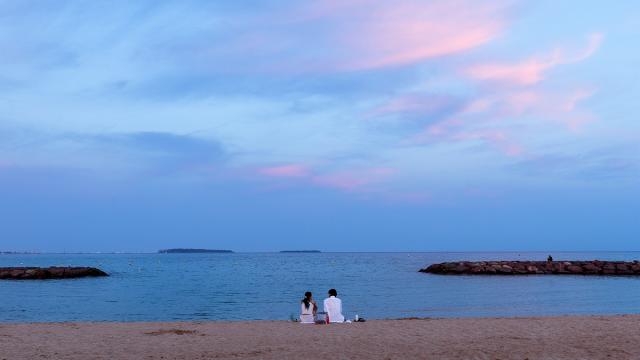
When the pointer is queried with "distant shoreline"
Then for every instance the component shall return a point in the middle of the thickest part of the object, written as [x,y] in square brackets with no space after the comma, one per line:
[300,251]
[194,251]
[544,253]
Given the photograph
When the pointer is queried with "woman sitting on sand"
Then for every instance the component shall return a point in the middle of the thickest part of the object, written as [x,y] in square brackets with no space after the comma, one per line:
[308,309]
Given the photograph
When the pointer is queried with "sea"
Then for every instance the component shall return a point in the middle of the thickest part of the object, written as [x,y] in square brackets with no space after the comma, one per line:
[269,286]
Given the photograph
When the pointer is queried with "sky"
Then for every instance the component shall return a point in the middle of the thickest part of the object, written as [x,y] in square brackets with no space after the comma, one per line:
[339,125]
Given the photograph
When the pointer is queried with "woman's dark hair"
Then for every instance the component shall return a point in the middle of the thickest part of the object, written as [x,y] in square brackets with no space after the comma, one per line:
[307,299]
[333,292]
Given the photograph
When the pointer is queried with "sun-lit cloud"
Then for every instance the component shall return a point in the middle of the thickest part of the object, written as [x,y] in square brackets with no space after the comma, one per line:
[349,180]
[378,34]
[532,71]
[352,180]
[356,35]
[457,131]
[405,32]
[289,170]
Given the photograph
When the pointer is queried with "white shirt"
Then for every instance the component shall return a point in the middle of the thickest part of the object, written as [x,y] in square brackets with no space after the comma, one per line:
[333,308]
[306,315]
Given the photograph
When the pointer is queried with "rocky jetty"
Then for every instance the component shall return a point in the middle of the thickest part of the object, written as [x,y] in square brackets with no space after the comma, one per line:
[35,273]
[594,267]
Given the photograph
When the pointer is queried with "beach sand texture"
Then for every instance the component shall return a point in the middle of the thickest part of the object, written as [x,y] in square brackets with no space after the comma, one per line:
[593,337]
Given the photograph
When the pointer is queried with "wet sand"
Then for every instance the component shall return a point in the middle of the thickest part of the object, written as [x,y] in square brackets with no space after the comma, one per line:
[593,337]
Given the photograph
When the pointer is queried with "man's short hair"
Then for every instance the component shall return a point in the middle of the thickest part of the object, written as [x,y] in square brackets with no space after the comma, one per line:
[333,292]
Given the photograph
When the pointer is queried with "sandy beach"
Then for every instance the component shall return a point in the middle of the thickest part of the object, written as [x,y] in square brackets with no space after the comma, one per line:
[593,337]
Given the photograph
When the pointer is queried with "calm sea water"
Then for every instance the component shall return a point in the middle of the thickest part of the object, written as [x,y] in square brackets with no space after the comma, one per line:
[242,286]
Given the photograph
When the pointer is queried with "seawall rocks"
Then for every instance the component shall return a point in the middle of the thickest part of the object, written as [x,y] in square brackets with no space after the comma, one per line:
[594,267]
[35,273]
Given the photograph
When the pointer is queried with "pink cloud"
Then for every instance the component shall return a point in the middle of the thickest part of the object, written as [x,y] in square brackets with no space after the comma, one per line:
[405,32]
[352,35]
[561,107]
[498,139]
[531,71]
[360,34]
[455,130]
[352,180]
[289,170]
[483,119]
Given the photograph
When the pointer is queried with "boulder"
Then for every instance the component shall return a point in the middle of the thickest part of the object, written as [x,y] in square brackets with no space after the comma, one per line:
[590,268]
[574,269]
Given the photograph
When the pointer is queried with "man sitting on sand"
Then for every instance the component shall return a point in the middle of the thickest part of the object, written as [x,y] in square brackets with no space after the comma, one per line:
[333,307]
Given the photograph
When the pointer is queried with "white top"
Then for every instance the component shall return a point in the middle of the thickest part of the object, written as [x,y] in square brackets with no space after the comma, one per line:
[306,315]
[333,308]
[304,310]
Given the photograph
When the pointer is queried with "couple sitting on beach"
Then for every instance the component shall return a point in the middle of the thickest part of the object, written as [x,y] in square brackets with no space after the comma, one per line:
[332,309]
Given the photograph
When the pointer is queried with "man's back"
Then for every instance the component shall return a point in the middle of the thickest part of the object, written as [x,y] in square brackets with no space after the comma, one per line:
[333,308]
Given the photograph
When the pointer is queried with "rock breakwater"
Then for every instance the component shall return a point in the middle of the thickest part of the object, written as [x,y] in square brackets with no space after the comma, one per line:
[35,273]
[594,267]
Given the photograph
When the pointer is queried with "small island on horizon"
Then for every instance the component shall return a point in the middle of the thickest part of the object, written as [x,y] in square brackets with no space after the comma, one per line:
[19,253]
[193,251]
[299,251]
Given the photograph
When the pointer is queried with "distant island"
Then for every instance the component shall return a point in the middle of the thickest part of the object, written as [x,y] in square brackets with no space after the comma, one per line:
[193,251]
[19,253]
[299,251]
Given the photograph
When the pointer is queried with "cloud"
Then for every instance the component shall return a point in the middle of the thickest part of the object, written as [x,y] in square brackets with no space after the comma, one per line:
[592,166]
[406,32]
[457,131]
[349,180]
[423,108]
[341,36]
[551,105]
[488,117]
[290,170]
[352,180]
[122,153]
[165,152]
[531,71]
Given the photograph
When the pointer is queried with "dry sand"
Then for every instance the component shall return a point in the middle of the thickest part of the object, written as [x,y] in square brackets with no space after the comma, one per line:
[595,337]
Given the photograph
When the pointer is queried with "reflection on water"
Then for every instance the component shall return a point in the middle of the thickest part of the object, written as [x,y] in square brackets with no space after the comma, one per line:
[241,286]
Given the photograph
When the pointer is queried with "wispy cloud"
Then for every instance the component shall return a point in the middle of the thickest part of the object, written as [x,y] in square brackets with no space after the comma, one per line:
[352,180]
[457,131]
[289,170]
[532,71]
[349,180]
[356,35]
[405,32]
[594,166]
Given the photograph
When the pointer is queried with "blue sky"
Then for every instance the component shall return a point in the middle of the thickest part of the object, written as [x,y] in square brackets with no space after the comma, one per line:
[336,125]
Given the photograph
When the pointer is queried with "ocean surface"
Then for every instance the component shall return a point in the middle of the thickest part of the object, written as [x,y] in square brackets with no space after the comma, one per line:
[251,286]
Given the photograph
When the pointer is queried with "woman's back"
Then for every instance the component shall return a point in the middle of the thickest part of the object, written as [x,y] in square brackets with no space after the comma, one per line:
[308,310]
